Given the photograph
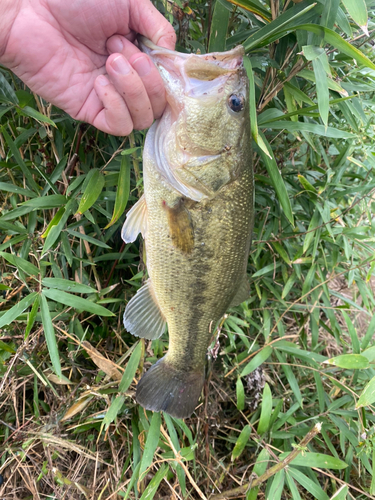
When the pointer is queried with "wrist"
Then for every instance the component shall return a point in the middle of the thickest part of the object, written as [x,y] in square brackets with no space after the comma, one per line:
[8,12]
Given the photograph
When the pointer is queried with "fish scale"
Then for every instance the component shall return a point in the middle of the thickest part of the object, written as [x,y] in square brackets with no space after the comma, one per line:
[196,246]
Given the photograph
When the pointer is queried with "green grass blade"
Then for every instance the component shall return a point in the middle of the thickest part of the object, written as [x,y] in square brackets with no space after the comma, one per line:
[50,336]
[241,442]
[123,191]
[277,181]
[283,24]
[151,443]
[219,27]
[338,42]
[76,302]
[18,158]
[12,314]
[266,410]
[67,285]
[92,191]
[153,485]
[131,368]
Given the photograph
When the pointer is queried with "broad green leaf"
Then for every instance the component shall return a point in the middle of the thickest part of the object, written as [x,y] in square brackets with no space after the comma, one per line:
[32,317]
[253,108]
[322,90]
[297,94]
[219,27]
[19,263]
[290,376]
[113,411]
[153,485]
[240,391]
[12,188]
[292,487]
[151,443]
[358,11]
[260,468]
[7,93]
[277,180]
[312,52]
[52,201]
[50,336]
[367,397]
[342,493]
[241,442]
[57,224]
[309,459]
[123,190]
[257,360]
[92,191]
[282,252]
[312,487]
[313,128]
[306,184]
[76,302]
[33,113]
[283,24]
[55,220]
[90,239]
[12,314]
[67,285]
[266,410]
[131,368]
[349,361]
[277,486]
[337,41]
[254,7]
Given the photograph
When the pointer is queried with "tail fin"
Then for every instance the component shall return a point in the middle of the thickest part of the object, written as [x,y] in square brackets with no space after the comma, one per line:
[163,388]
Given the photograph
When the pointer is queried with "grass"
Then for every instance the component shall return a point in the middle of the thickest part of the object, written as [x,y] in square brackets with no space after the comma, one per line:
[289,371]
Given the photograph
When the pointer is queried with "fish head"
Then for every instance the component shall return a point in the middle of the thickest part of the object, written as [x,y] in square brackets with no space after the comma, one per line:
[204,130]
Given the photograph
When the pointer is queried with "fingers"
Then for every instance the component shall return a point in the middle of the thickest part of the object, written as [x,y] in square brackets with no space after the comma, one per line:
[133,95]
[147,21]
[114,118]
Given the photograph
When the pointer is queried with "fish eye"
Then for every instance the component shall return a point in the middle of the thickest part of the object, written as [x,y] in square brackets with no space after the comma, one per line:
[236,102]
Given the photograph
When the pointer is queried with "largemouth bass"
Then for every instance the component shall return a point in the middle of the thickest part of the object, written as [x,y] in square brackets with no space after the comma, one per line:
[196,217]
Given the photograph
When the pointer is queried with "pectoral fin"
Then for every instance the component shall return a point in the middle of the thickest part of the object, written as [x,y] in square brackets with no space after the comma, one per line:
[181,227]
[136,221]
[142,316]
[243,292]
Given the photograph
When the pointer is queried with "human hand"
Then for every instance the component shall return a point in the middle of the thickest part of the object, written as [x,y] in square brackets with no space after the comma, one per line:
[80,56]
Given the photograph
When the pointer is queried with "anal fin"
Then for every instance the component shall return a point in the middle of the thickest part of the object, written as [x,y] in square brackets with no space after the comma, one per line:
[142,316]
[136,221]
[243,292]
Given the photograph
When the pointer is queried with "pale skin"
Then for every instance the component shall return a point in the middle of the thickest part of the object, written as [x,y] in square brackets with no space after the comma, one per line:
[81,55]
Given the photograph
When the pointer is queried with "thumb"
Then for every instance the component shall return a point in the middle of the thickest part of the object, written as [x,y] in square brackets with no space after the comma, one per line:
[146,19]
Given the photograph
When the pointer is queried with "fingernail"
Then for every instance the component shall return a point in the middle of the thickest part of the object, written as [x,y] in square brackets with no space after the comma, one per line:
[115,45]
[121,65]
[142,66]
[102,80]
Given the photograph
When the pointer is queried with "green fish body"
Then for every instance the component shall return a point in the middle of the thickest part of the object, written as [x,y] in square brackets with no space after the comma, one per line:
[196,216]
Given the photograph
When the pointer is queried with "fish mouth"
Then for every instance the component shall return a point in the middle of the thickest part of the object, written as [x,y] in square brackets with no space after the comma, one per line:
[203,67]
[215,57]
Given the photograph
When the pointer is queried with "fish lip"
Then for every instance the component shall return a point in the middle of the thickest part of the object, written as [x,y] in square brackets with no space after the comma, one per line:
[148,46]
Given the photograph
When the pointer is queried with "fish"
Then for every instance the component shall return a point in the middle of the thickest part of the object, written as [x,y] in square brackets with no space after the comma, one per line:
[196,217]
